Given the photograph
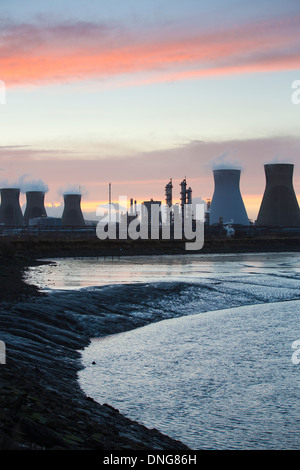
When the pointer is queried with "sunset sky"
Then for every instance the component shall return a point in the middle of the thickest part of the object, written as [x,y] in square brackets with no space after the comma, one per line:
[136,92]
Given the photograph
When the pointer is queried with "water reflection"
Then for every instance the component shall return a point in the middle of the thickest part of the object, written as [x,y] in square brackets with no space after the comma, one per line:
[217,380]
[74,273]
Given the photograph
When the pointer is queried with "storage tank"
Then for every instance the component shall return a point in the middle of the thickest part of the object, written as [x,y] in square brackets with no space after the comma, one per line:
[72,215]
[34,205]
[10,209]
[227,203]
[279,206]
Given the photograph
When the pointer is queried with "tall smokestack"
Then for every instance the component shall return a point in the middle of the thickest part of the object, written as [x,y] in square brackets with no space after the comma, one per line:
[10,209]
[279,206]
[34,205]
[227,200]
[72,215]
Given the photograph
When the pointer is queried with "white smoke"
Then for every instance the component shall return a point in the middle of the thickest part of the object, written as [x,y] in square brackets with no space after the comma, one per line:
[34,185]
[24,183]
[223,162]
[278,160]
[72,189]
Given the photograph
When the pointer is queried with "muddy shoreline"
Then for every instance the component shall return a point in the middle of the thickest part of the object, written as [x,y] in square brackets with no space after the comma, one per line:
[41,404]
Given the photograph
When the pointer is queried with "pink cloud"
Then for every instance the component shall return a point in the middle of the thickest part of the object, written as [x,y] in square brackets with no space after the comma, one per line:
[63,52]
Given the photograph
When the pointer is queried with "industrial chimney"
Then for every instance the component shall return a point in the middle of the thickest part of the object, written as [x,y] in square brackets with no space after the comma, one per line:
[34,205]
[72,215]
[10,209]
[227,202]
[279,207]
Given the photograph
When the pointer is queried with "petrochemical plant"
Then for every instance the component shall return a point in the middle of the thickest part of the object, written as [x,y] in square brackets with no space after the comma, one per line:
[279,209]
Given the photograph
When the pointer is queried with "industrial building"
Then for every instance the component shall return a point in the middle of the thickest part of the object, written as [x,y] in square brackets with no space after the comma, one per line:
[10,209]
[227,204]
[279,206]
[148,211]
[35,206]
[72,215]
[185,194]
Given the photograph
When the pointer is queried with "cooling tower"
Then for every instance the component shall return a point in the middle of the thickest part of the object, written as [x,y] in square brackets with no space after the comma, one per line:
[279,206]
[34,205]
[72,215]
[227,202]
[10,210]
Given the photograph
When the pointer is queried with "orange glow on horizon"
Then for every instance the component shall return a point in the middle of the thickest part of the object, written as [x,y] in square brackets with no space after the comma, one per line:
[252,203]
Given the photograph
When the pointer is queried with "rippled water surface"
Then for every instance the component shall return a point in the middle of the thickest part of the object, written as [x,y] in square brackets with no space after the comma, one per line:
[216,380]
[217,372]
[84,272]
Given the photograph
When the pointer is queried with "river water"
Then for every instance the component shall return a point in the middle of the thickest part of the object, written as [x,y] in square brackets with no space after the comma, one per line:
[218,373]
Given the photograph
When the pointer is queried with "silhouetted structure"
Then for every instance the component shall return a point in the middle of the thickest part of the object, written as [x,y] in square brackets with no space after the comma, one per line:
[189,195]
[183,194]
[279,207]
[72,215]
[10,209]
[169,196]
[227,202]
[34,205]
[149,205]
